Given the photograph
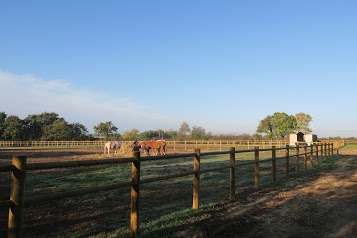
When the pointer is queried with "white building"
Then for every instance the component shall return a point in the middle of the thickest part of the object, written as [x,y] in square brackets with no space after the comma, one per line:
[301,137]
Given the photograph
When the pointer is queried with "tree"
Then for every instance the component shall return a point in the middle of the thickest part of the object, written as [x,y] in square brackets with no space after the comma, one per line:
[131,135]
[78,131]
[58,130]
[2,123]
[256,137]
[198,132]
[13,128]
[171,134]
[283,124]
[147,135]
[303,121]
[105,129]
[265,126]
[279,125]
[184,130]
[34,124]
[244,136]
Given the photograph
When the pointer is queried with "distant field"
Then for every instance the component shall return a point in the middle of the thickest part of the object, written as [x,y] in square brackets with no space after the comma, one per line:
[352,147]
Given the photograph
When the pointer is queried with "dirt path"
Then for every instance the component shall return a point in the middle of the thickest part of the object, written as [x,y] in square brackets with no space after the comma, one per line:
[323,205]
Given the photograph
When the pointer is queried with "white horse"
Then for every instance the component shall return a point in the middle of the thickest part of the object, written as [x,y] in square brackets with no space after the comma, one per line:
[111,145]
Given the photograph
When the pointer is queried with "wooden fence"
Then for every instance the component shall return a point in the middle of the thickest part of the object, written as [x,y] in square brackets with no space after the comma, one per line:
[190,145]
[17,201]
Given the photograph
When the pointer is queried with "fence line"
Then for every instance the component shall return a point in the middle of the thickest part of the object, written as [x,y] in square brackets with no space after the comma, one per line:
[19,167]
[204,145]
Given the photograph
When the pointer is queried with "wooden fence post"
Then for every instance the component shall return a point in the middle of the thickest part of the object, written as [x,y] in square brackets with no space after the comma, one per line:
[256,167]
[273,155]
[196,180]
[135,194]
[305,157]
[17,196]
[325,147]
[332,149]
[311,154]
[317,153]
[297,158]
[287,159]
[232,173]
[324,150]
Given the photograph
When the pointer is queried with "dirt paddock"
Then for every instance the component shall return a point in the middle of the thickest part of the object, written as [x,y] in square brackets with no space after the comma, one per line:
[324,205]
[318,205]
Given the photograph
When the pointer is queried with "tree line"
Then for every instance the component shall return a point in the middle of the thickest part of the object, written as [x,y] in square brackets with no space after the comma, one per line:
[45,126]
[49,126]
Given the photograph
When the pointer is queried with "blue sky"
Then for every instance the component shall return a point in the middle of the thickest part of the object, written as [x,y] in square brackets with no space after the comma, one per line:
[221,65]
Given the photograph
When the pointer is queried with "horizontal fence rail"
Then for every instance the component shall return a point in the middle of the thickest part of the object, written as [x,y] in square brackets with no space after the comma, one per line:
[174,144]
[204,145]
[16,202]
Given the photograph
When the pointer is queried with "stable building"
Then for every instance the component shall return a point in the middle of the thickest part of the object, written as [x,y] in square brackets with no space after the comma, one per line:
[301,137]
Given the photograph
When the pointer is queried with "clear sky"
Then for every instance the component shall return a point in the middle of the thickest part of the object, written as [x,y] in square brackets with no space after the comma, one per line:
[222,65]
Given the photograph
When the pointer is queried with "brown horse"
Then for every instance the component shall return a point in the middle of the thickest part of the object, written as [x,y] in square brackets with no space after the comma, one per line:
[163,147]
[156,146]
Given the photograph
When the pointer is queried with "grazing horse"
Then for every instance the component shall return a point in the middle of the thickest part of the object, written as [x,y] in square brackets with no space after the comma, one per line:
[156,146]
[141,145]
[112,145]
[163,147]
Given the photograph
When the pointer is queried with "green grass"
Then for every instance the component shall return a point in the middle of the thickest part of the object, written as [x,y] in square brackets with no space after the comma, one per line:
[350,147]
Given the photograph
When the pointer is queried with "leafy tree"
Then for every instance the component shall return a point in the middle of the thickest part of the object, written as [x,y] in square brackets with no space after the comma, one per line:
[256,137]
[283,124]
[279,125]
[184,130]
[131,135]
[244,136]
[209,135]
[78,131]
[303,121]
[2,123]
[34,124]
[265,126]
[198,132]
[147,135]
[58,130]
[13,128]
[106,129]
[171,134]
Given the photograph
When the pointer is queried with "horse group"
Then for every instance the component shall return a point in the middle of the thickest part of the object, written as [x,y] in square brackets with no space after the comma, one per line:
[158,147]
